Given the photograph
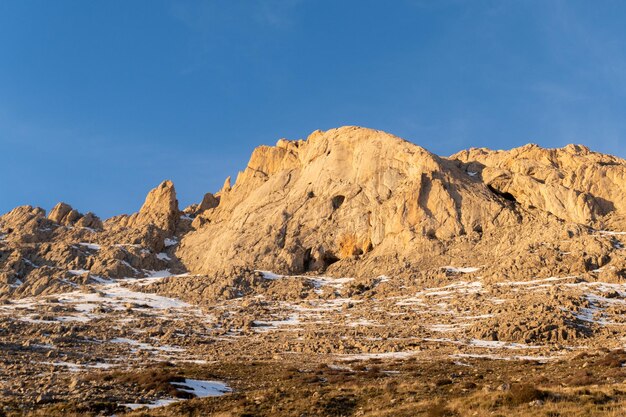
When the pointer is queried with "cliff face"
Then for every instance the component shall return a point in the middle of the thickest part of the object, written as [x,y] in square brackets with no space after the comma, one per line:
[353,192]
[349,202]
[572,183]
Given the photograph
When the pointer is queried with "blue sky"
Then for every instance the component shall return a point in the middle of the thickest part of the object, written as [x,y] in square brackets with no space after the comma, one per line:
[100,101]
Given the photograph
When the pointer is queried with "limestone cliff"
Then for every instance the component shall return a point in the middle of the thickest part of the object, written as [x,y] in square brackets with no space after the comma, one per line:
[572,183]
[302,205]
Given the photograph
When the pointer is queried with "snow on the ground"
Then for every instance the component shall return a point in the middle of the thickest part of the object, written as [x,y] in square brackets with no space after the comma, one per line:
[363,322]
[503,358]
[159,274]
[384,355]
[78,271]
[534,281]
[163,256]
[113,295]
[461,270]
[153,404]
[16,283]
[170,242]
[319,282]
[199,388]
[496,344]
[92,246]
[101,280]
[77,367]
[463,287]
[145,346]
[269,275]
[202,389]
[275,324]
[446,328]
[31,263]
[63,319]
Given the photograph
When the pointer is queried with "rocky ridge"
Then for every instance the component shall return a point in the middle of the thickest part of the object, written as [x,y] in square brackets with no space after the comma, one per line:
[348,202]
[40,255]
[351,245]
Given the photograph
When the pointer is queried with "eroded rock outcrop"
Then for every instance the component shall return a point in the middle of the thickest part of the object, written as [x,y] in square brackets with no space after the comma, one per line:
[160,209]
[40,254]
[573,183]
[301,205]
[353,202]
[63,214]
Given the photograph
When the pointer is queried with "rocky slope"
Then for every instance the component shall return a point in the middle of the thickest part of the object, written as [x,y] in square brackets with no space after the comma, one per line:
[350,202]
[356,201]
[379,251]
[40,254]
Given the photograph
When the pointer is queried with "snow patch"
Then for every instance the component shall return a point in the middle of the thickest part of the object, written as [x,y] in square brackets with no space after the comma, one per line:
[461,270]
[384,355]
[202,389]
[91,246]
[153,404]
[270,275]
[145,346]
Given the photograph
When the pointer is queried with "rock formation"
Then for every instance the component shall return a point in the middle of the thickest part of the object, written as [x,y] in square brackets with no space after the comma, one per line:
[48,254]
[302,205]
[348,252]
[354,192]
[352,202]
[572,183]
[160,210]
[65,215]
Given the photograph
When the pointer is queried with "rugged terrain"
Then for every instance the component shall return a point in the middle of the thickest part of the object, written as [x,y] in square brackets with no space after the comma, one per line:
[351,273]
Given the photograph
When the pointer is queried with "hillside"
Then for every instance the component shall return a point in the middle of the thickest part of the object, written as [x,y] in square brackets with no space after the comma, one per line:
[334,274]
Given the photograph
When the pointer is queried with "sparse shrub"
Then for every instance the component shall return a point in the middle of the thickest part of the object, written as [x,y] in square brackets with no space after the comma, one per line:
[523,394]
[613,359]
[580,378]
[443,381]
[157,379]
[439,410]
[339,406]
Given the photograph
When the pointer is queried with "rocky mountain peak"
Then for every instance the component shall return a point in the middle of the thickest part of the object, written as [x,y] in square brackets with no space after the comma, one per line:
[342,193]
[64,215]
[160,208]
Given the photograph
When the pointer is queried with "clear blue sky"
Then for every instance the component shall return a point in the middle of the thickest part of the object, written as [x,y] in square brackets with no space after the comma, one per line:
[101,100]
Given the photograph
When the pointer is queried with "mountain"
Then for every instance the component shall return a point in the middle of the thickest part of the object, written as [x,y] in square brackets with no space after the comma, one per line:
[344,274]
[348,202]
[354,201]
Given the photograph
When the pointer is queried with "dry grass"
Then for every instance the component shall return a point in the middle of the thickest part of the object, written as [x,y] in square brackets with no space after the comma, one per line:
[380,388]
